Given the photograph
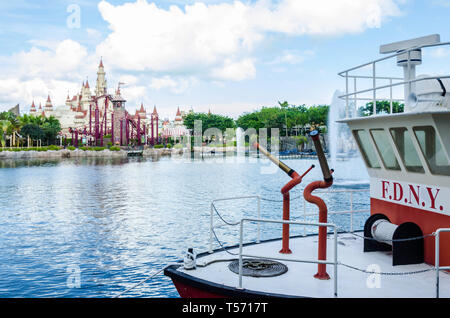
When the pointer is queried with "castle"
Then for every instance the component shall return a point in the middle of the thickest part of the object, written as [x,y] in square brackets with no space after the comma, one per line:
[98,113]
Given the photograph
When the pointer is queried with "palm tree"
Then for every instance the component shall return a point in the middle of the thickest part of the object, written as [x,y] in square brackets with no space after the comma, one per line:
[5,126]
[285,106]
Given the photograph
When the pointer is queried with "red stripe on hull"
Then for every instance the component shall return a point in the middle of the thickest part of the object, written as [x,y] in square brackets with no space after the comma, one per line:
[186,291]
[428,221]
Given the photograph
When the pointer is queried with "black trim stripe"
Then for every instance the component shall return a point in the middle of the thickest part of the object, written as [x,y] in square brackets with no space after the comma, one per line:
[444,91]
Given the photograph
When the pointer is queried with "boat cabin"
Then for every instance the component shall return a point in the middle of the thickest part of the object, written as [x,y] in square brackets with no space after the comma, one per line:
[407,154]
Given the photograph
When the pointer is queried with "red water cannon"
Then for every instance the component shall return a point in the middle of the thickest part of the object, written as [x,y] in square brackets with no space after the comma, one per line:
[323,210]
[296,180]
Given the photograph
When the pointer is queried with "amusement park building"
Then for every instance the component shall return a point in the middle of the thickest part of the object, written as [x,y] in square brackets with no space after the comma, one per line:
[87,111]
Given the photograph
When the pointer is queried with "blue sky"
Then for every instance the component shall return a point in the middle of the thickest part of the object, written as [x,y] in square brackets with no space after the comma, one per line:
[225,56]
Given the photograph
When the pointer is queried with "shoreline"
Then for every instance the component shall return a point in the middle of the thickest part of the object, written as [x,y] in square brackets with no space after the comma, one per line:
[106,153]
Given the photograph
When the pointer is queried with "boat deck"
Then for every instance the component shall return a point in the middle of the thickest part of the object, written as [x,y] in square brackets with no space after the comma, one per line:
[299,280]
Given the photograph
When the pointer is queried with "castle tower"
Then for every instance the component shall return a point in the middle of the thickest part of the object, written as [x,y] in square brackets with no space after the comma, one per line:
[68,101]
[101,86]
[86,92]
[48,105]
[119,120]
[154,127]
[33,108]
[142,112]
[178,118]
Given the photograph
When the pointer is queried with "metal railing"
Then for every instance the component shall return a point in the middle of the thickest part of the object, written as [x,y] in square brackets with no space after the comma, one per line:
[258,198]
[241,255]
[351,211]
[211,225]
[353,96]
[259,220]
[438,268]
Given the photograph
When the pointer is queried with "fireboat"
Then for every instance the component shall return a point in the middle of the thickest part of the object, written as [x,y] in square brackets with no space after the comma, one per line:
[404,248]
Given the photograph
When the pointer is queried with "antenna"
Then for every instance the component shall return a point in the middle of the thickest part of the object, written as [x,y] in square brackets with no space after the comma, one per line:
[409,44]
[410,56]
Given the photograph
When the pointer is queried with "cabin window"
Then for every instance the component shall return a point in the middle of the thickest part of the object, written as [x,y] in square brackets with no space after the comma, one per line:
[432,150]
[384,149]
[366,147]
[406,149]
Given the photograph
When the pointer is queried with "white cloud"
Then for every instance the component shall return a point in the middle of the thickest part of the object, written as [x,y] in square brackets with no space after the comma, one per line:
[175,85]
[217,40]
[66,57]
[327,17]
[129,79]
[93,33]
[47,68]
[443,3]
[14,91]
[440,52]
[174,48]
[235,71]
[293,57]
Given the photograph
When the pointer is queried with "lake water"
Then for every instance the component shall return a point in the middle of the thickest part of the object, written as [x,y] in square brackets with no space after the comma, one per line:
[94,227]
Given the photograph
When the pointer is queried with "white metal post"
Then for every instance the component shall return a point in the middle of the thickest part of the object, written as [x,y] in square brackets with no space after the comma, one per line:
[356,97]
[436,261]
[390,88]
[335,263]
[211,224]
[304,216]
[258,238]
[351,212]
[346,93]
[374,90]
[240,253]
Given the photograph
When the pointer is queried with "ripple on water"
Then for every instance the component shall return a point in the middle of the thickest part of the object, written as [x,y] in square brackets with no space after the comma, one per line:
[117,221]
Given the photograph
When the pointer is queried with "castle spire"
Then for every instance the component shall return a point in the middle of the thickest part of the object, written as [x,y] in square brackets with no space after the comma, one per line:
[33,107]
[101,87]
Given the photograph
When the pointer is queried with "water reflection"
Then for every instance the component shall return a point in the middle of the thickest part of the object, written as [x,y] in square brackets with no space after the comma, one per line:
[120,219]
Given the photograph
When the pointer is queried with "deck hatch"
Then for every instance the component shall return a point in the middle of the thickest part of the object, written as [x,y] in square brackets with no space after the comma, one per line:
[432,150]
[384,148]
[408,153]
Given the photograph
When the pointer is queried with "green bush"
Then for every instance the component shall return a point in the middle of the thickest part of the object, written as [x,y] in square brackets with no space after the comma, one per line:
[169,146]
[109,144]
[158,146]
[98,148]
[178,146]
[114,148]
[71,148]
[53,147]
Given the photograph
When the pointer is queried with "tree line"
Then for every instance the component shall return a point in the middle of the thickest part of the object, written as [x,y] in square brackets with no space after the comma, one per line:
[289,119]
[36,127]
